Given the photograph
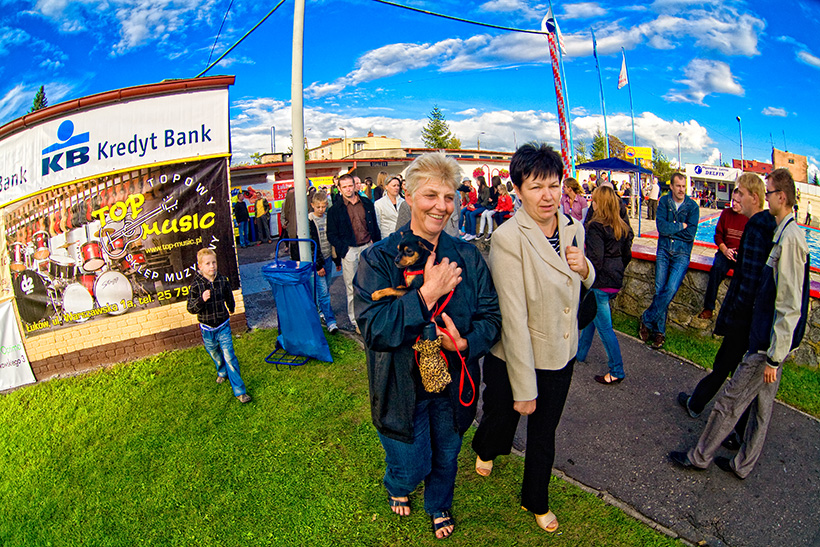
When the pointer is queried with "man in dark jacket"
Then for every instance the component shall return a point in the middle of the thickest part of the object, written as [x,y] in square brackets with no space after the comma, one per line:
[734,319]
[240,213]
[351,228]
[677,223]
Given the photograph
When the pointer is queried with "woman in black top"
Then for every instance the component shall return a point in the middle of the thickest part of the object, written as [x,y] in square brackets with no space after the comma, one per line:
[609,248]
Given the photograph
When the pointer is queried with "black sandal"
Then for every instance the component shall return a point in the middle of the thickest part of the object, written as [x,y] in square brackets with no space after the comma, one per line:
[448,521]
[397,503]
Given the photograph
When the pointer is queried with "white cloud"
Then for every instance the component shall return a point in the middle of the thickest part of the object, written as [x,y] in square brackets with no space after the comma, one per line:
[722,29]
[468,112]
[137,21]
[814,169]
[13,100]
[511,6]
[583,10]
[774,111]
[650,130]
[11,37]
[808,58]
[502,129]
[714,157]
[703,77]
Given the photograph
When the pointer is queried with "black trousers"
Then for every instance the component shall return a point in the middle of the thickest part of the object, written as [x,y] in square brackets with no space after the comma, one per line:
[499,422]
[731,352]
[719,271]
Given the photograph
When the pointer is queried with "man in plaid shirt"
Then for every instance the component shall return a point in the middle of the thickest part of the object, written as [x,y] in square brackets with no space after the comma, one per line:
[735,317]
[210,297]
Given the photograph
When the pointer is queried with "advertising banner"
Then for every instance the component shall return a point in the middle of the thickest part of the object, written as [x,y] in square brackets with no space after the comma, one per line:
[14,366]
[138,132]
[640,152]
[117,243]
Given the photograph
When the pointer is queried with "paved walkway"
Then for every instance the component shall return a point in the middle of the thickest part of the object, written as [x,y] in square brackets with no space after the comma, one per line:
[615,439]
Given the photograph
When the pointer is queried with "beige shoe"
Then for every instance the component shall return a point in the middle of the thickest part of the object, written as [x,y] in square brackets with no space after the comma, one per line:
[483,468]
[548,521]
[244,398]
[221,379]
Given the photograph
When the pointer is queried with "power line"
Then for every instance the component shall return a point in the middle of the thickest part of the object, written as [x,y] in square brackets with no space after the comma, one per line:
[452,18]
[219,31]
[210,66]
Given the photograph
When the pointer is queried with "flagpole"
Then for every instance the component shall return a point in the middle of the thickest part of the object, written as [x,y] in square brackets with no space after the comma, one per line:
[566,95]
[632,115]
[601,84]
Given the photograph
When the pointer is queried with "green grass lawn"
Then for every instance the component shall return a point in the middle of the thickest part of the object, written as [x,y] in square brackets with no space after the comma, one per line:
[156,453]
[799,385]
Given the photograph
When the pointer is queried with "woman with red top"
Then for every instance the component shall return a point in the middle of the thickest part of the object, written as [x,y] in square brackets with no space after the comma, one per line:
[503,210]
[468,201]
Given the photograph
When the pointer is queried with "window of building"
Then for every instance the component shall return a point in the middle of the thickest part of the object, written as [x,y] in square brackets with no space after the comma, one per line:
[791,161]
[358,146]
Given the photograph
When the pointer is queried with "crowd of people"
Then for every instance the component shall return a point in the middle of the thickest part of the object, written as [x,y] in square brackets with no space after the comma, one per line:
[553,251]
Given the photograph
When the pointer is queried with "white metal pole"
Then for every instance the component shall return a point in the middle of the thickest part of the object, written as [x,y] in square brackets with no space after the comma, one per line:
[298,125]
[740,128]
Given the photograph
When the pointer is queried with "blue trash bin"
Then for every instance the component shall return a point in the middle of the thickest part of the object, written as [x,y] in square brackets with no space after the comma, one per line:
[300,330]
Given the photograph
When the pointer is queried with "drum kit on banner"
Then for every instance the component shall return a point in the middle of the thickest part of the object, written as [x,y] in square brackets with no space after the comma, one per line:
[70,273]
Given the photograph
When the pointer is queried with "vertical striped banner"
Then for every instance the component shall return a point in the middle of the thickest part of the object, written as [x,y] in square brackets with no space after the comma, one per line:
[562,115]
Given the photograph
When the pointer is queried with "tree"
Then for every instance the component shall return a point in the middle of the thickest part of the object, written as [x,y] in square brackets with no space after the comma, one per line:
[40,100]
[816,183]
[617,148]
[436,134]
[581,153]
[599,146]
[256,158]
[660,166]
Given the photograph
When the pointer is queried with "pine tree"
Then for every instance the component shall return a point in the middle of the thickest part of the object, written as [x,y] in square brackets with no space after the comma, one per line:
[40,100]
[617,148]
[815,180]
[599,151]
[581,152]
[436,134]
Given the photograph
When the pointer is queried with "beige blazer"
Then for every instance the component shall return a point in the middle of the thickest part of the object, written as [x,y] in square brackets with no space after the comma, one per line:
[538,295]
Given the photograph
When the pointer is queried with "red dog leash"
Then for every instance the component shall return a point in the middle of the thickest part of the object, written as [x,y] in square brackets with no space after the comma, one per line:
[464,371]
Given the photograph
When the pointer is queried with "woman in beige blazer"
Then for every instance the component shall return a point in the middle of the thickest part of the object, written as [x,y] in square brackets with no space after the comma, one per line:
[538,266]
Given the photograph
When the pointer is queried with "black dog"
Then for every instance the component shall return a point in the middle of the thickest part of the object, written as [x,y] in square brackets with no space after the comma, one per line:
[413,251]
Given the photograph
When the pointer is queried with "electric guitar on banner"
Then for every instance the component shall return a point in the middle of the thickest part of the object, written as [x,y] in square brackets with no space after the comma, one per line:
[115,241]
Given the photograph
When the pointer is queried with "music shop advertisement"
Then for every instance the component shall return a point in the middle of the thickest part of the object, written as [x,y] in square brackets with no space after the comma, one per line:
[116,244]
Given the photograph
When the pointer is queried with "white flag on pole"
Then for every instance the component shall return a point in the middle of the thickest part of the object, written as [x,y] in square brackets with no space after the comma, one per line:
[550,24]
[622,79]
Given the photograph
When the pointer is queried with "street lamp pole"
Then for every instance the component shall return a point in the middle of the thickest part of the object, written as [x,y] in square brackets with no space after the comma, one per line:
[273,139]
[740,128]
[679,151]
[478,140]
[344,143]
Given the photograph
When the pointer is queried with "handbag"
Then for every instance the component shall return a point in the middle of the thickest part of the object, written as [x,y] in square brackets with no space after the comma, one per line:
[587,305]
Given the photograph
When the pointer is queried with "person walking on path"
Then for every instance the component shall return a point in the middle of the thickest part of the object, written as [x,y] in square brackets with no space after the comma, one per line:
[351,228]
[421,430]
[735,317]
[609,248]
[778,319]
[677,224]
[728,232]
[263,219]
[538,272]
[210,297]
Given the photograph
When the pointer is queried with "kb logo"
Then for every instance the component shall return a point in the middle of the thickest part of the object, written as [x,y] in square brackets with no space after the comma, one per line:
[73,156]
[27,285]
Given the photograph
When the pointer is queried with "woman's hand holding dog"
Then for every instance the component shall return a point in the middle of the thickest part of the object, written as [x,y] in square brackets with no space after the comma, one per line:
[439,279]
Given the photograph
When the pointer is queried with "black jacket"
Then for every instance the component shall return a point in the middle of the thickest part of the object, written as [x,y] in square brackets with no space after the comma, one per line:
[314,235]
[608,255]
[340,230]
[240,211]
[391,326]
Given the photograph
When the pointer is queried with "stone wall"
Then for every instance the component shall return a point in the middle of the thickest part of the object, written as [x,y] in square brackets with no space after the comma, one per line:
[639,287]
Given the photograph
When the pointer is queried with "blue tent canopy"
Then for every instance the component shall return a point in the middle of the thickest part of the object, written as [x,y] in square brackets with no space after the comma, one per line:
[614,164]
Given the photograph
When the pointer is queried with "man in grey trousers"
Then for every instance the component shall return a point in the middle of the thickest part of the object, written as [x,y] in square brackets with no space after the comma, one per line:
[776,329]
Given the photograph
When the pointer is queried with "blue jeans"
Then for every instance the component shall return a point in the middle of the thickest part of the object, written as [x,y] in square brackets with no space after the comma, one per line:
[323,291]
[219,345]
[602,322]
[470,219]
[431,457]
[243,232]
[670,268]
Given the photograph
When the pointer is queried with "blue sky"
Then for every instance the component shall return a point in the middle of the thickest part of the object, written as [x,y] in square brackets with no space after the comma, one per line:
[694,67]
